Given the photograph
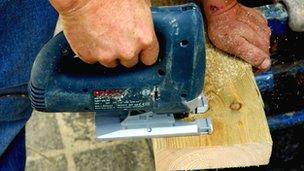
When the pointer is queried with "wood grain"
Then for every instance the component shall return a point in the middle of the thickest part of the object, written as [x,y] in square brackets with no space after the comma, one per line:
[241,135]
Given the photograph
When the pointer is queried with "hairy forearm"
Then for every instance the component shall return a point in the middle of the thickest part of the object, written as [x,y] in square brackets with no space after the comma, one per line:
[214,7]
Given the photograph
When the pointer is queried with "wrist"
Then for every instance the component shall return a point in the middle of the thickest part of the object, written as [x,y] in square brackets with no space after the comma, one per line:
[68,6]
[216,7]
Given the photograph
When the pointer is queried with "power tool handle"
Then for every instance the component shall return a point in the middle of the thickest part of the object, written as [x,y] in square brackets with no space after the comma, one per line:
[49,58]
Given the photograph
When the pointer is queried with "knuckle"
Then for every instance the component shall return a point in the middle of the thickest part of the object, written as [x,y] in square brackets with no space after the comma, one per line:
[149,63]
[147,40]
[86,58]
[233,45]
[127,54]
[146,36]
[107,59]
[257,60]
[108,65]
[249,55]
[214,40]
[129,66]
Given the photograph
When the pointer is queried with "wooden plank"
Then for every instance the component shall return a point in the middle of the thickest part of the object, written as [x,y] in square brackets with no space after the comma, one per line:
[241,135]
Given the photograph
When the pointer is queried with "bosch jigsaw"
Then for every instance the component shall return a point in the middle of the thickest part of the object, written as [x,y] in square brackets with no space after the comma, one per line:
[141,102]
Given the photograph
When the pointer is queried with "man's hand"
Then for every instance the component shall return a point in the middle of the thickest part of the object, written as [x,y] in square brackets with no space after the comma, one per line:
[239,30]
[109,32]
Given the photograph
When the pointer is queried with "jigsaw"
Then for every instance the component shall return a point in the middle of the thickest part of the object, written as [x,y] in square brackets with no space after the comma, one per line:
[141,102]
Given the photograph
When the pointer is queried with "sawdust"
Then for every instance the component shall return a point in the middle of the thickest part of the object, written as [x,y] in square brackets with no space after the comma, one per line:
[221,69]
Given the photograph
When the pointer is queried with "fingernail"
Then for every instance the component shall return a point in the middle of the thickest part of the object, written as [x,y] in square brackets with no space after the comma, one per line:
[266,64]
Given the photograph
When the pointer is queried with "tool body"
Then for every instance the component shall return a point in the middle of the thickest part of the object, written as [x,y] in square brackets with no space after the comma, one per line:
[137,102]
[140,102]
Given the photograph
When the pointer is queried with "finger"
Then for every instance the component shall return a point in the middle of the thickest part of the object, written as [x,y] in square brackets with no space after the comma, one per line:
[265,65]
[112,64]
[108,61]
[149,54]
[128,55]
[259,41]
[250,53]
[130,62]
[259,23]
[256,21]
[261,29]
[87,60]
[85,56]
[252,37]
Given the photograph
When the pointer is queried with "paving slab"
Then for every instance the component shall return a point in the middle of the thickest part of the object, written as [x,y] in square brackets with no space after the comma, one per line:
[133,155]
[42,132]
[57,163]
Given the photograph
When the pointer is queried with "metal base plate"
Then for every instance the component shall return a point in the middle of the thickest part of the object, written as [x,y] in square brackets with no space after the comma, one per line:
[110,128]
[150,125]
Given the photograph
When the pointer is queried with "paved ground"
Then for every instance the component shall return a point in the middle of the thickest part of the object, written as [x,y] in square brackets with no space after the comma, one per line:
[65,141]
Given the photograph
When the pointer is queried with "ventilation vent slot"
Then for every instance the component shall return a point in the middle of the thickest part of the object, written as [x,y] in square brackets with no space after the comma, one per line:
[37,98]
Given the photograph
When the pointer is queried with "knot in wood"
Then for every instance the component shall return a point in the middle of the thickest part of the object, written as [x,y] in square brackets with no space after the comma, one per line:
[235,106]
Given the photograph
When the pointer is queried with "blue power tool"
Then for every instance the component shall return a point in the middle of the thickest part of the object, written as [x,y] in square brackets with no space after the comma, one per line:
[131,103]
[142,101]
